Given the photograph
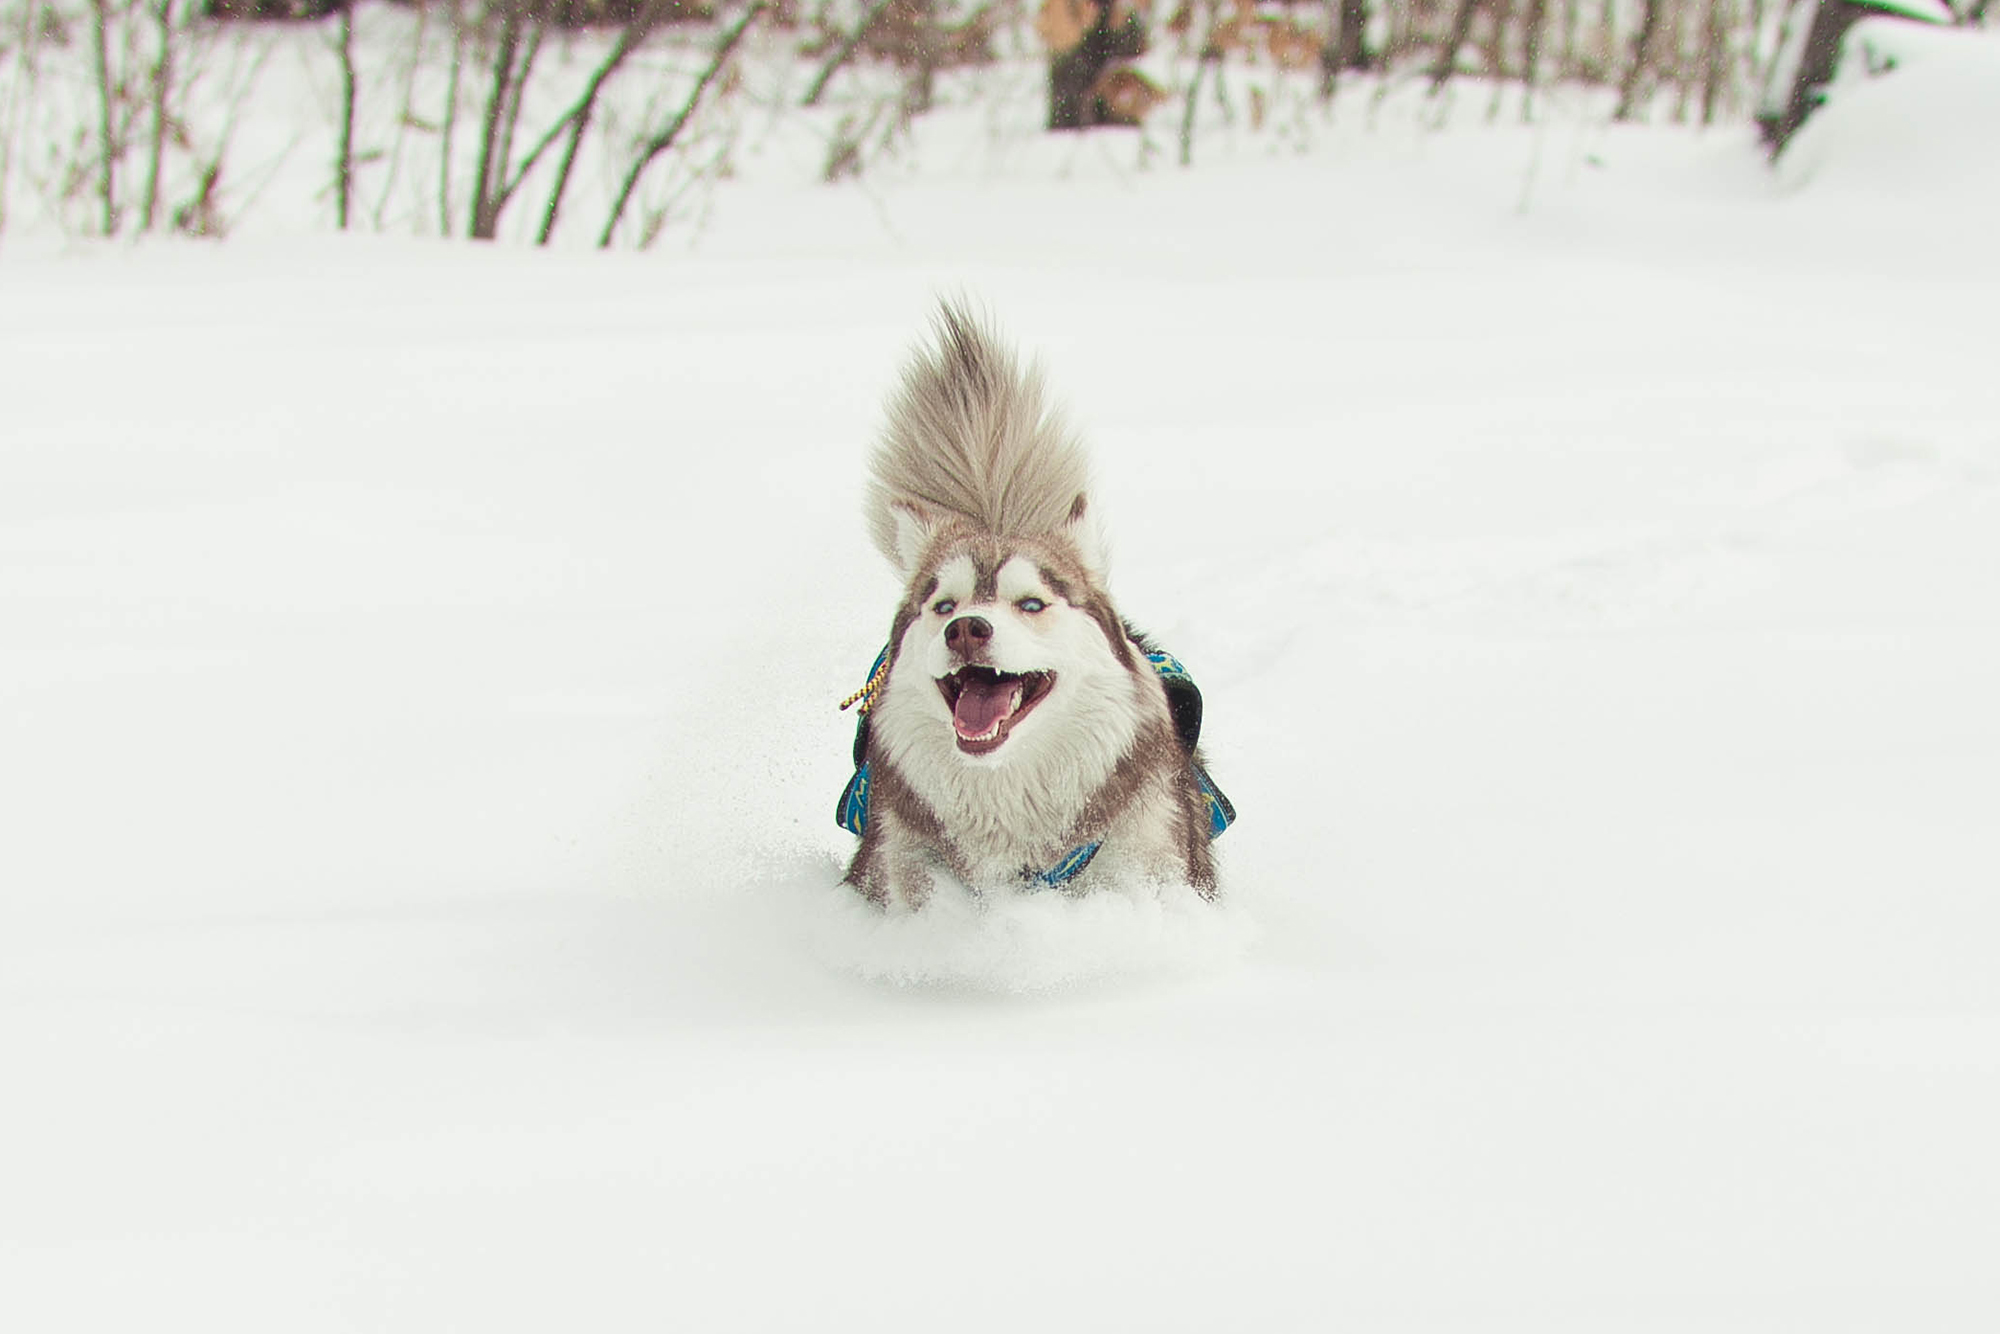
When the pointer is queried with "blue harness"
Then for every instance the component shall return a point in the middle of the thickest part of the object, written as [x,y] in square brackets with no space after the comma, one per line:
[1183,701]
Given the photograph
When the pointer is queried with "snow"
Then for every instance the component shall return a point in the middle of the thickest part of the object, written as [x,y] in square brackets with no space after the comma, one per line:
[1899,118]
[419,753]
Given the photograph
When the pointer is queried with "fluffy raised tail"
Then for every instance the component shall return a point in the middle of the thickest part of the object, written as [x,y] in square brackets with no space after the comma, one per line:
[971,437]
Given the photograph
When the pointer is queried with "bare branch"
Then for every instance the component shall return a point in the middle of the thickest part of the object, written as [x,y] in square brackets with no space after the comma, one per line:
[554,132]
[845,53]
[577,118]
[665,138]
[513,117]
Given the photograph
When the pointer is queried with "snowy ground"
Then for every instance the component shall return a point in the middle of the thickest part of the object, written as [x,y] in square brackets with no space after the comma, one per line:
[417,751]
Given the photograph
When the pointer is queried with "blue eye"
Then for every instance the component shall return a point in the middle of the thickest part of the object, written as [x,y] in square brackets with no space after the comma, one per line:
[1031,605]
[944,607]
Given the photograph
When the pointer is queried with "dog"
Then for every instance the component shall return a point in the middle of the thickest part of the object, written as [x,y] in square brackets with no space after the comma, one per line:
[1016,730]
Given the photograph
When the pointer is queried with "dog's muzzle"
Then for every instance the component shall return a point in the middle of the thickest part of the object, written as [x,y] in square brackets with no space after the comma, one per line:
[986,704]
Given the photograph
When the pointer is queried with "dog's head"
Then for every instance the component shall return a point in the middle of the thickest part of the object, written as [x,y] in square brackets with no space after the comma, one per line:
[1008,655]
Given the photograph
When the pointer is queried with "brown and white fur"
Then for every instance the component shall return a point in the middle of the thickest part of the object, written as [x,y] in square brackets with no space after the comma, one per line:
[1019,719]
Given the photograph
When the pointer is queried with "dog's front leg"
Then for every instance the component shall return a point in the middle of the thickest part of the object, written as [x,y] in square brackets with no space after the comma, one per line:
[892,866]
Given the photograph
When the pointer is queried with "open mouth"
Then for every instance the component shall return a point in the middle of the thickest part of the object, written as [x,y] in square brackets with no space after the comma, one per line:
[986,704]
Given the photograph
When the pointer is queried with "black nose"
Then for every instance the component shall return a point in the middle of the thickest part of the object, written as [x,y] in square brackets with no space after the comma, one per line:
[967,635]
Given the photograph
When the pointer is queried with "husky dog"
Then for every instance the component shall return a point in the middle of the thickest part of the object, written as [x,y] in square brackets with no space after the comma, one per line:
[1018,729]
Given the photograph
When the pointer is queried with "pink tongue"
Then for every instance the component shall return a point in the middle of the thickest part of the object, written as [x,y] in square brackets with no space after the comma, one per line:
[981,704]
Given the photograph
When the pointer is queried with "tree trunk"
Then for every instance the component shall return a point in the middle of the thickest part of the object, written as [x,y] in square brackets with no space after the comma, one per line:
[1187,116]
[498,180]
[162,78]
[921,90]
[1682,70]
[1354,35]
[1531,54]
[1715,46]
[483,218]
[1496,55]
[344,164]
[1073,73]
[1345,49]
[25,80]
[1329,53]
[1392,42]
[1447,57]
[107,143]
[1830,22]
[1628,90]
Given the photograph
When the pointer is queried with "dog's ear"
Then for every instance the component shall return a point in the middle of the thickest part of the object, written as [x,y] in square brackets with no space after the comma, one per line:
[912,528]
[1086,534]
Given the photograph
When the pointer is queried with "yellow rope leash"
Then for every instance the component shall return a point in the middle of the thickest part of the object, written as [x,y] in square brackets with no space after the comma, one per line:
[866,695]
